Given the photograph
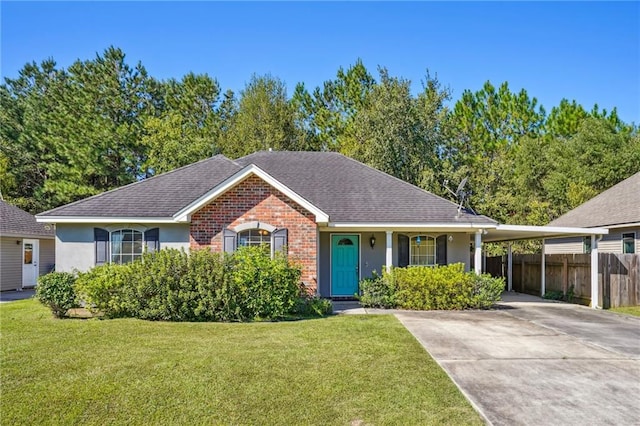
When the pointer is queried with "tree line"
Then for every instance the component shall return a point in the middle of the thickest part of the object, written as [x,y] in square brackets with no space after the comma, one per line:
[101,123]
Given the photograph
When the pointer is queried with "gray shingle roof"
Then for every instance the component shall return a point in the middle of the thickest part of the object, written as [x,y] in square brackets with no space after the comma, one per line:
[159,196]
[16,222]
[618,205]
[348,191]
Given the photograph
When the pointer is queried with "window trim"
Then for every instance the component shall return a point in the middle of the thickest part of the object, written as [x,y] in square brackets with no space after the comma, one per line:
[435,249]
[276,234]
[261,237]
[109,246]
[627,235]
[103,241]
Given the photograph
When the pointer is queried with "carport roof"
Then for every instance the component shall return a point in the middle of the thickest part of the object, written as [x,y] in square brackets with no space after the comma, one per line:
[503,233]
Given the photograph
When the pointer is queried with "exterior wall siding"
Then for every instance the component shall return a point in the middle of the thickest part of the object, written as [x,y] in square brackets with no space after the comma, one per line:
[10,263]
[75,249]
[255,200]
[47,256]
[610,243]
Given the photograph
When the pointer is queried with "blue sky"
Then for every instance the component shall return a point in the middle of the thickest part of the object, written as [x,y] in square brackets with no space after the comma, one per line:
[589,51]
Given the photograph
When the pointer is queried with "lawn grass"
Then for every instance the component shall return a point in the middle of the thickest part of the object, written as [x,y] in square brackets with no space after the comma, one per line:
[630,310]
[337,370]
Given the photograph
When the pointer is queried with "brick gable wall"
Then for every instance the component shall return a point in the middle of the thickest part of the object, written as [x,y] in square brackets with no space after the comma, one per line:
[255,200]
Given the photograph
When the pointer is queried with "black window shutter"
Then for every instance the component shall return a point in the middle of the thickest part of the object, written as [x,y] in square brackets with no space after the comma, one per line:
[101,239]
[152,239]
[229,238]
[403,250]
[441,250]
[279,240]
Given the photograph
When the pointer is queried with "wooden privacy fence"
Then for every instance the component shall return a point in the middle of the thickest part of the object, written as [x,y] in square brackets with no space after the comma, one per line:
[618,276]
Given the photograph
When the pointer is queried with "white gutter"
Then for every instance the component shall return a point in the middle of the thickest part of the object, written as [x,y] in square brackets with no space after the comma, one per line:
[378,225]
[102,219]
[552,229]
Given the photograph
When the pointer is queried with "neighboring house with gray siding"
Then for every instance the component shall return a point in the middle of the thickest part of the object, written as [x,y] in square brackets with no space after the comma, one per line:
[27,248]
[616,209]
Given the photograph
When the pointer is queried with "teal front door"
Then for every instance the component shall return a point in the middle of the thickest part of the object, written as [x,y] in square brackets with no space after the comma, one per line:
[344,265]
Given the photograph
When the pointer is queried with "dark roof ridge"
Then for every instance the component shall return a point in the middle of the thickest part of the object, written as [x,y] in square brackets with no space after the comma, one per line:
[138,182]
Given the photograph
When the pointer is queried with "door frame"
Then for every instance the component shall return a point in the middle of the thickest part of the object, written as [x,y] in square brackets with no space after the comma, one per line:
[351,234]
[36,260]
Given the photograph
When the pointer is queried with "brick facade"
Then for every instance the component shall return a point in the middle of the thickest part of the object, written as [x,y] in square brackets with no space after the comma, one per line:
[255,200]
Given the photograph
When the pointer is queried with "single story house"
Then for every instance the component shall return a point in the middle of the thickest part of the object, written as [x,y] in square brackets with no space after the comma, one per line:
[616,209]
[27,248]
[338,218]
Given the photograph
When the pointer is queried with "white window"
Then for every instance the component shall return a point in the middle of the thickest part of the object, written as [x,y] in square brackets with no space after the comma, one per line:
[422,250]
[127,245]
[629,243]
[254,237]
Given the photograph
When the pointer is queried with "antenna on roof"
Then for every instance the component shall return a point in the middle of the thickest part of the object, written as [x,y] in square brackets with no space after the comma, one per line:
[461,195]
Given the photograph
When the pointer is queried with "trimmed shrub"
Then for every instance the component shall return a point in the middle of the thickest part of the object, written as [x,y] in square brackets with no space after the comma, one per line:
[486,291]
[431,288]
[56,291]
[378,291]
[313,307]
[102,289]
[171,285]
[268,287]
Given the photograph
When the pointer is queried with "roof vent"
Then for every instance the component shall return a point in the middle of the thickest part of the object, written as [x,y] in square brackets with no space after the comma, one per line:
[270,149]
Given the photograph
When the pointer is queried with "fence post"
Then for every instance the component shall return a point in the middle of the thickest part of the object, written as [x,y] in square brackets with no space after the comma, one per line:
[522,273]
[594,271]
[565,274]
[543,273]
[509,268]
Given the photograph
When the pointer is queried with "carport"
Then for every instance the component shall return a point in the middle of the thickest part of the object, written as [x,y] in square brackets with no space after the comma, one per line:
[509,233]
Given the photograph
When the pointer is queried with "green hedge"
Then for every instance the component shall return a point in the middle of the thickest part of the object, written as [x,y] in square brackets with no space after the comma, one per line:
[56,291]
[379,291]
[428,288]
[172,285]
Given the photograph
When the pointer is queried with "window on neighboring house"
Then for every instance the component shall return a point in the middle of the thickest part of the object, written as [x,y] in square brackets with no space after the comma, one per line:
[124,245]
[586,245]
[254,237]
[422,250]
[629,243]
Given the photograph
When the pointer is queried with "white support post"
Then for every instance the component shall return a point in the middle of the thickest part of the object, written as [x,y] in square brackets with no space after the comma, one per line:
[594,272]
[543,272]
[477,255]
[509,268]
[389,252]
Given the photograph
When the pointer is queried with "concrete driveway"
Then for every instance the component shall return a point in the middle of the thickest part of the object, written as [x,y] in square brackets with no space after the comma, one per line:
[533,362]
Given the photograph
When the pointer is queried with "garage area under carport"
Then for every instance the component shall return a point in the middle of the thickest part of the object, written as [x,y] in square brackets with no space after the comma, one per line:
[509,233]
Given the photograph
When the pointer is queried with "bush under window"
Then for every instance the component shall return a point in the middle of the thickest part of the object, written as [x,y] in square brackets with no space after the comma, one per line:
[426,288]
[171,285]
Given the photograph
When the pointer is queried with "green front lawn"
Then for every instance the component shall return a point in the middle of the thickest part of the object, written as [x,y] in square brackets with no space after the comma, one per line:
[630,310]
[338,370]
